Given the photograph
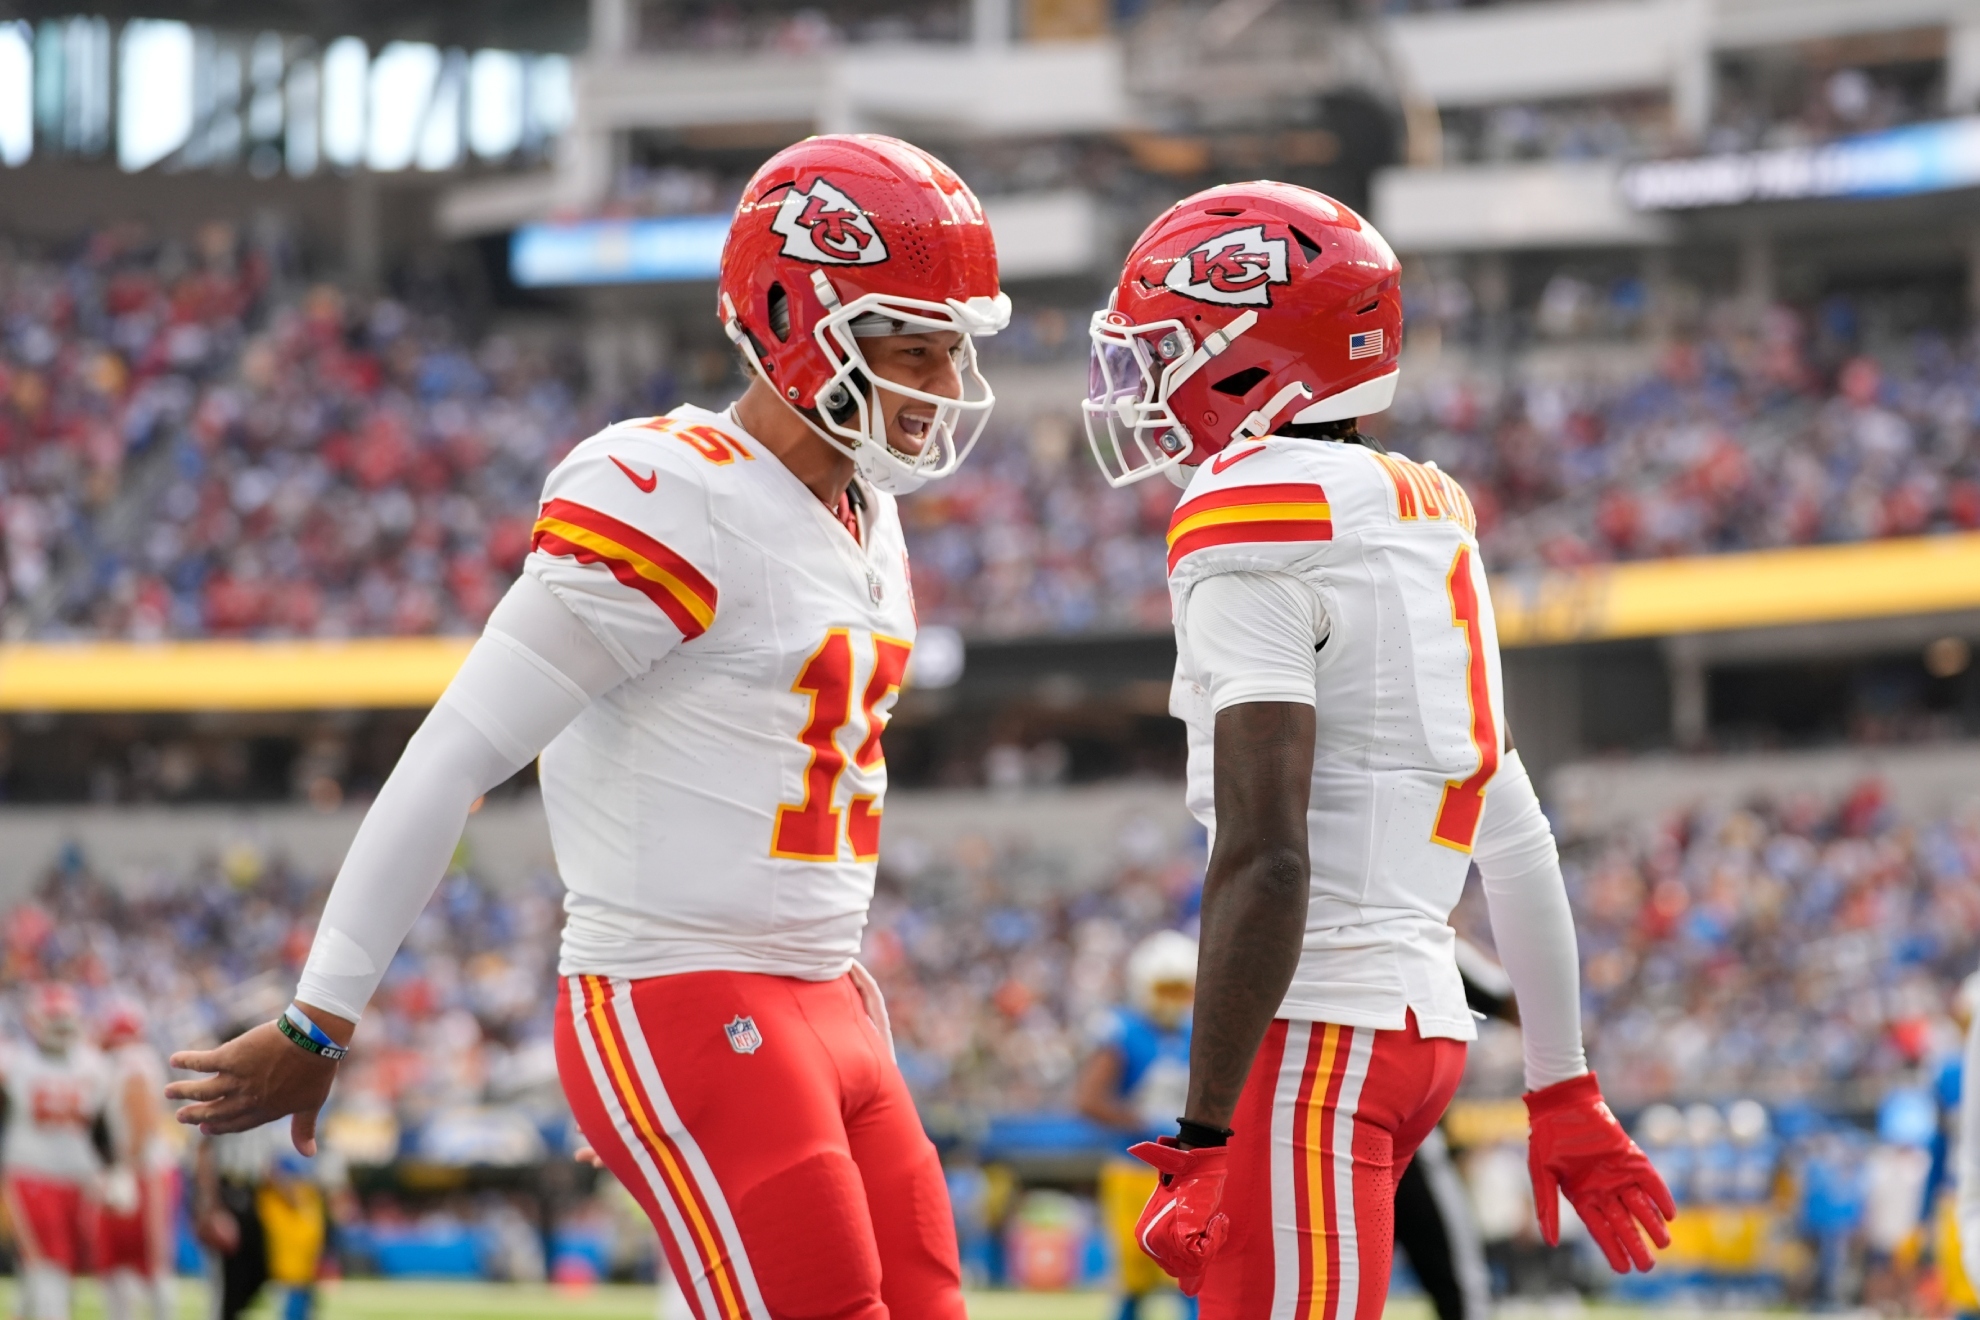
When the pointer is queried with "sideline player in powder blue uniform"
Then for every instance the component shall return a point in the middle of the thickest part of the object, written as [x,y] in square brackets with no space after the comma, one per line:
[1135,1081]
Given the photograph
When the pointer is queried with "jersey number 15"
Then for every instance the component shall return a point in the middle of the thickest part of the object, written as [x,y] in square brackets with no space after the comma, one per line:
[808,831]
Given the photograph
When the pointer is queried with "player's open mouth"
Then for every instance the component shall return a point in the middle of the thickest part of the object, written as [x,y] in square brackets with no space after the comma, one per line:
[914,427]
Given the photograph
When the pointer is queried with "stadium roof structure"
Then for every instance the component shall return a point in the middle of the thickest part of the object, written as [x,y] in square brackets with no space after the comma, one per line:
[536,25]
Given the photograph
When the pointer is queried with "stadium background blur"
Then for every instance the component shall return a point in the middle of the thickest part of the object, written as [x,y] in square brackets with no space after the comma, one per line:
[298,302]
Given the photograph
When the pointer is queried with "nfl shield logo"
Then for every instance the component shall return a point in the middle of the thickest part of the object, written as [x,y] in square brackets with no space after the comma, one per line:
[744,1038]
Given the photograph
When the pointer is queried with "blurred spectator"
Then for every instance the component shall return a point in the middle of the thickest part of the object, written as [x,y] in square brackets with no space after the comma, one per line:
[187,449]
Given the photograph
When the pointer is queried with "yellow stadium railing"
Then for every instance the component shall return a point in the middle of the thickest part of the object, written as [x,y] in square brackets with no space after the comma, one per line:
[1920,575]
[371,673]
[1761,589]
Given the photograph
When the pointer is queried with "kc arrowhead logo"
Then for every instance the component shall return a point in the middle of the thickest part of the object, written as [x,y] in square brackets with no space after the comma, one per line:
[1237,269]
[823,224]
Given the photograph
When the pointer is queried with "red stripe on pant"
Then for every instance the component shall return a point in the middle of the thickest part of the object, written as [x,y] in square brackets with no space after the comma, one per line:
[819,1189]
[667,1170]
[1328,1120]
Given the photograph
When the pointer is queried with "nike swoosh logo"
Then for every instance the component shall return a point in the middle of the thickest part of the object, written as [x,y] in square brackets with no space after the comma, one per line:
[1217,464]
[645,483]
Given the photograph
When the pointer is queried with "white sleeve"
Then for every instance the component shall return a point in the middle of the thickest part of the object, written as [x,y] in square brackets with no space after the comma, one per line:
[1532,924]
[1251,636]
[533,670]
[1967,1177]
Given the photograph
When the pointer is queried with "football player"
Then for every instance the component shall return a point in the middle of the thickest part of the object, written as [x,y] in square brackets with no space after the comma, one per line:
[705,646]
[55,1091]
[1134,1082]
[134,1226]
[1338,673]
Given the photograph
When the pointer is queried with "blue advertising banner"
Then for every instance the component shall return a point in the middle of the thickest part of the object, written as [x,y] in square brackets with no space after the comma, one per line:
[1918,158]
[645,251]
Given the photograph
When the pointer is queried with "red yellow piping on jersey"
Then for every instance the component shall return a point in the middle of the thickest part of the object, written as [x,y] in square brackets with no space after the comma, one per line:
[1283,511]
[636,559]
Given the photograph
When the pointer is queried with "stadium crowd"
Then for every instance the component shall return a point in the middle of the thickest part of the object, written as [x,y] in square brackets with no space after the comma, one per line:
[194,444]
[1793,951]
[191,445]
[1801,952]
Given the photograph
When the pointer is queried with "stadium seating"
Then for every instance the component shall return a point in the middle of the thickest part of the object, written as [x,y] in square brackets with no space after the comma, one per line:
[195,443]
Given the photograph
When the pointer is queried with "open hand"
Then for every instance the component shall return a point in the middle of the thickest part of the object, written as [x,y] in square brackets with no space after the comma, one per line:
[257,1077]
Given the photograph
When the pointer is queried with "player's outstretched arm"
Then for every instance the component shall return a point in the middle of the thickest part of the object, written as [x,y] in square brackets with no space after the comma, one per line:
[532,672]
[1576,1146]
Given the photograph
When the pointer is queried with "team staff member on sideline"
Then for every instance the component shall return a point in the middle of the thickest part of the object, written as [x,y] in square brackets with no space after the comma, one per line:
[1338,673]
[705,647]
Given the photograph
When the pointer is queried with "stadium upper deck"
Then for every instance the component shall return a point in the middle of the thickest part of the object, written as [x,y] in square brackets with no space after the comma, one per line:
[1623,355]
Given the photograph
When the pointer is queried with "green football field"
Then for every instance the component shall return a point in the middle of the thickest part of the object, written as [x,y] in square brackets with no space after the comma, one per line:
[371,1299]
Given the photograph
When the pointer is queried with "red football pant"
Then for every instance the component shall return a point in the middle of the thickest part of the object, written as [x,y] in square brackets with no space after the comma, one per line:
[781,1158]
[1327,1123]
[140,1241]
[54,1222]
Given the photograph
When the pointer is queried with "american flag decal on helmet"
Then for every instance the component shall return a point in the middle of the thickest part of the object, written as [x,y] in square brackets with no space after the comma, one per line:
[1365,344]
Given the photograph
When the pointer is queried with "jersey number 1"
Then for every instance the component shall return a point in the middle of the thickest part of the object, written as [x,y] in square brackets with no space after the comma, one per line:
[1464,799]
[808,831]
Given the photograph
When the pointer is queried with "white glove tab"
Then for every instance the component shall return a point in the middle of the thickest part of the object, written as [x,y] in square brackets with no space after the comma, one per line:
[534,669]
[1532,924]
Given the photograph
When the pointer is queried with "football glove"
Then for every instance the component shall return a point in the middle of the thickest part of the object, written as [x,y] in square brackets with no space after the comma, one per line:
[1577,1147]
[1183,1225]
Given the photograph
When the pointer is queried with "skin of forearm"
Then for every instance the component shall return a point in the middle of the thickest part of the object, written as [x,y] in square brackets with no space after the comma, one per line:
[1254,896]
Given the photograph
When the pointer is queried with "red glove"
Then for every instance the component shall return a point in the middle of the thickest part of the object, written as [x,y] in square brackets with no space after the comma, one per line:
[1181,1227]
[1576,1146]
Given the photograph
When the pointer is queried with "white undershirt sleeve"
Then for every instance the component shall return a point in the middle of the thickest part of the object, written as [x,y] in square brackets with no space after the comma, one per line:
[533,670]
[1532,924]
[1253,637]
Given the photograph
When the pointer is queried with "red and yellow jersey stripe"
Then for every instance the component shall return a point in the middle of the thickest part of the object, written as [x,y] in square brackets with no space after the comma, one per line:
[1283,511]
[683,594]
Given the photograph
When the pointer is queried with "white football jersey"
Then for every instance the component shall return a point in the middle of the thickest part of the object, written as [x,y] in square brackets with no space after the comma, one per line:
[721,809]
[52,1102]
[1407,706]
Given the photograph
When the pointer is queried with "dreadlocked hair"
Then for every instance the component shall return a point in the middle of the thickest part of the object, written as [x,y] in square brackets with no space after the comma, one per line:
[1346,431]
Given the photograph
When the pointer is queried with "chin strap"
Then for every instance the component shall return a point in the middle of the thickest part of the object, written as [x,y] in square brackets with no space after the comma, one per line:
[1260,422]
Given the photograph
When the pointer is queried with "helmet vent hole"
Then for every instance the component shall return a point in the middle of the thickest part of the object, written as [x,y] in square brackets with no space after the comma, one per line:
[1369,308]
[1224,213]
[780,313]
[1306,245]
[1240,383]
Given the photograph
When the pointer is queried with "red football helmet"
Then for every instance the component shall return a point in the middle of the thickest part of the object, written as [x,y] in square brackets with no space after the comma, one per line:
[1296,299]
[54,1015]
[850,235]
[123,1023]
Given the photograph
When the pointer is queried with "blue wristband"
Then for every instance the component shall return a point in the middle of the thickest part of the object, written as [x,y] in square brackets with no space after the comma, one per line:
[316,1034]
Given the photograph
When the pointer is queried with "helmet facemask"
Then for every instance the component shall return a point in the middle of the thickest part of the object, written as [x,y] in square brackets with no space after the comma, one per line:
[1132,374]
[848,412]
